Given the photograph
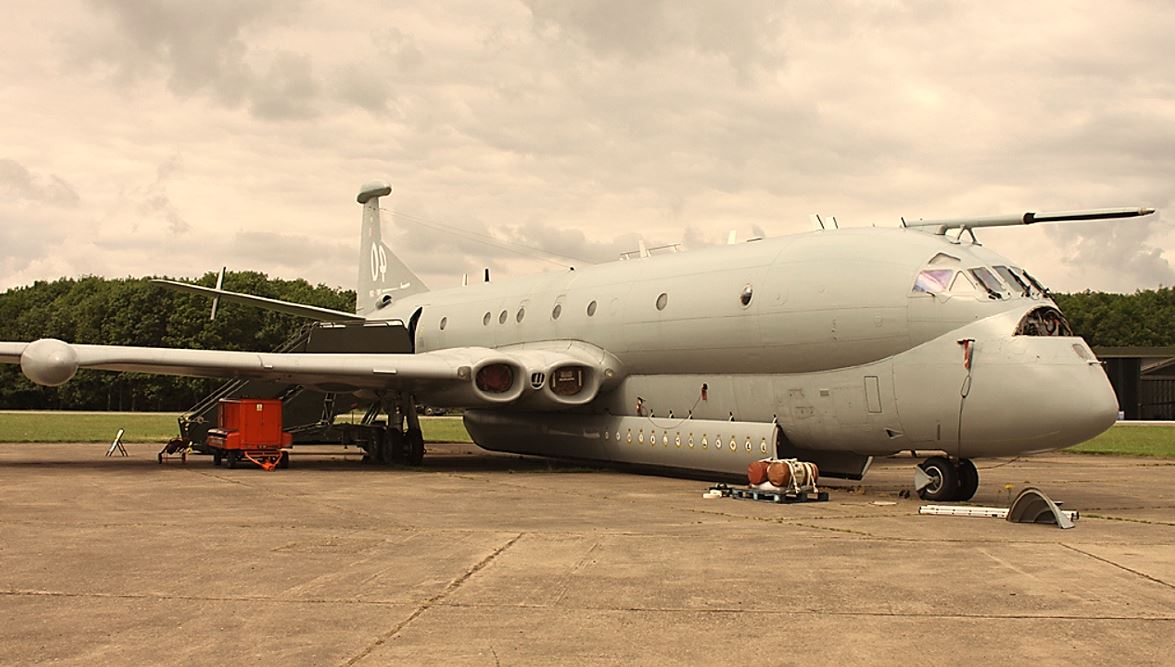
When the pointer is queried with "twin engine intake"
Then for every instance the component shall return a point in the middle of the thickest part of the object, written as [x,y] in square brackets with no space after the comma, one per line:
[537,378]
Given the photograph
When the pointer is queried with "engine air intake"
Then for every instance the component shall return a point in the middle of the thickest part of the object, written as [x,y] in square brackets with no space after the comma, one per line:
[495,378]
[568,380]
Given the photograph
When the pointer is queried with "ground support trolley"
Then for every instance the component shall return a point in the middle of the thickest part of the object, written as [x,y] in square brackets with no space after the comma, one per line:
[250,430]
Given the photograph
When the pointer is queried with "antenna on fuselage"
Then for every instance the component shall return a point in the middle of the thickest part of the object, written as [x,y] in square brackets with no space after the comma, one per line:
[816,221]
[487,274]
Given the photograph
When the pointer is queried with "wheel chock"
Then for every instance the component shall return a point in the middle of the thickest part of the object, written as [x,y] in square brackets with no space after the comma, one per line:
[921,479]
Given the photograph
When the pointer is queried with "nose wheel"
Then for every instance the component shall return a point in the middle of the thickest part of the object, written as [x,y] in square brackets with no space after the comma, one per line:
[944,480]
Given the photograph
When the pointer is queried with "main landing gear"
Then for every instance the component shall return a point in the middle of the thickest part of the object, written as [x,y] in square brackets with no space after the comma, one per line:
[391,445]
[390,442]
[949,480]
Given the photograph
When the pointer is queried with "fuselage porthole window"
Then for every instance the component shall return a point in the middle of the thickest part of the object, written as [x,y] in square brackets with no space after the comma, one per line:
[444,321]
[557,311]
[521,314]
[662,301]
[591,309]
[485,321]
[502,317]
[745,297]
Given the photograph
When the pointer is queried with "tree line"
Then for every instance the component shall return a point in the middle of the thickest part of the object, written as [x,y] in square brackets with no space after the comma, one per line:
[132,311]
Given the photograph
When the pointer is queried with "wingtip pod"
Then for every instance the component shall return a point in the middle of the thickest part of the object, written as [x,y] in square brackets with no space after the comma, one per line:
[49,362]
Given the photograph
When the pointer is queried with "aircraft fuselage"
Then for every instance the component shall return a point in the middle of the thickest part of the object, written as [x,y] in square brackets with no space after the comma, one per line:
[842,337]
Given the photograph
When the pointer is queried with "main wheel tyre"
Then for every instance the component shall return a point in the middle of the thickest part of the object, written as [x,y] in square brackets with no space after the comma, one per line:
[968,480]
[944,479]
[414,441]
[393,446]
[376,448]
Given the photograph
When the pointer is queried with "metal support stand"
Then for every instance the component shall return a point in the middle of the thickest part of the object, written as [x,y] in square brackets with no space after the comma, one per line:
[116,446]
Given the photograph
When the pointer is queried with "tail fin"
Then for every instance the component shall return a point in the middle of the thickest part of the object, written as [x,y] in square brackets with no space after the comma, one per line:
[383,278]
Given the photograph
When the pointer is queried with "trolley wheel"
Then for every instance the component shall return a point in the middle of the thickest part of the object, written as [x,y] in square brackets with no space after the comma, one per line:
[233,458]
[284,461]
[216,459]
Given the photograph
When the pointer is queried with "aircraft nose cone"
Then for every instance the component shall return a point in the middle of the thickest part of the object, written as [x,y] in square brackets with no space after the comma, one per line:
[1092,407]
[1026,404]
[49,362]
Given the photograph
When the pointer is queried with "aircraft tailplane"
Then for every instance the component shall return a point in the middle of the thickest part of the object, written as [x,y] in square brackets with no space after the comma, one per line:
[383,277]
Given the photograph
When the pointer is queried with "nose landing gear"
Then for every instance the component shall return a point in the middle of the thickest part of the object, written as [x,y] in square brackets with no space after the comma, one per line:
[941,479]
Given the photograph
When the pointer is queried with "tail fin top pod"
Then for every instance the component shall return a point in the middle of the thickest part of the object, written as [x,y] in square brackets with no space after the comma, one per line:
[383,278]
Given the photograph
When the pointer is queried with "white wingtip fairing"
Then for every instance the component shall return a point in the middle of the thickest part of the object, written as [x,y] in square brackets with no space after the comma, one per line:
[49,362]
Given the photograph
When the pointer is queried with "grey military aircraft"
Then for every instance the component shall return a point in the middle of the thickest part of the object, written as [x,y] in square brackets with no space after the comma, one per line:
[832,346]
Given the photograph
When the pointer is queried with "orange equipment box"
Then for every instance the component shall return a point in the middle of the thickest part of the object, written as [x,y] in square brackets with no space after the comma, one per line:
[249,423]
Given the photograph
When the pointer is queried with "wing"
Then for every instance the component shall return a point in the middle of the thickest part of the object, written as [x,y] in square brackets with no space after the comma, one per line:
[462,376]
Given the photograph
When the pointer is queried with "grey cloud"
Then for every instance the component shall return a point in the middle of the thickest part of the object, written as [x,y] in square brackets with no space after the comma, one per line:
[745,33]
[1122,249]
[154,201]
[20,183]
[400,48]
[203,47]
[571,245]
[289,250]
[362,87]
[286,91]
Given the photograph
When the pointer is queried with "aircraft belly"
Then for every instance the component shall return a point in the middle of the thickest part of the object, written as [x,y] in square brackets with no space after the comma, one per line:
[714,446]
[845,410]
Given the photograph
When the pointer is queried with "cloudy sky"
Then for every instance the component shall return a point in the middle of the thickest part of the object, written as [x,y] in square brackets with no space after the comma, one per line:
[172,137]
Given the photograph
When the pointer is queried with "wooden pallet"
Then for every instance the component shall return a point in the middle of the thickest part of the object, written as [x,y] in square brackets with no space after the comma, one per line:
[780,497]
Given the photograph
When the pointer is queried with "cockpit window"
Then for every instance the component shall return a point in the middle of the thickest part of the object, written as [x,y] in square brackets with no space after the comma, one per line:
[962,285]
[1013,280]
[1032,290]
[1035,283]
[1044,321]
[995,289]
[933,281]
